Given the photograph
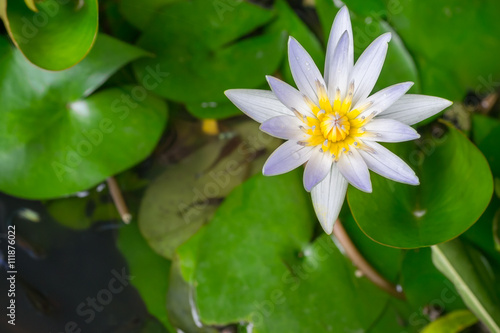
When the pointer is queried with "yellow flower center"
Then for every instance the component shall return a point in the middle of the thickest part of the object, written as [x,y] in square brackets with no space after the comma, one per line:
[334,127]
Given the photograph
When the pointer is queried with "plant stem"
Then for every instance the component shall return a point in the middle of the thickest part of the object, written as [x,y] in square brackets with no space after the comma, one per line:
[117,196]
[360,262]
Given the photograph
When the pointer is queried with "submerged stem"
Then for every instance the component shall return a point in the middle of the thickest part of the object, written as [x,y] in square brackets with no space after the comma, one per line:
[360,262]
[117,196]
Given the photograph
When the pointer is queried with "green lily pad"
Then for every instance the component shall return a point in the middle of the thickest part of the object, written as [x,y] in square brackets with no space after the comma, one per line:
[185,196]
[58,140]
[489,147]
[443,206]
[496,230]
[398,316]
[58,35]
[116,24]
[141,13]
[434,31]
[482,126]
[425,286]
[482,235]
[203,56]
[213,110]
[387,261]
[244,268]
[287,20]
[373,8]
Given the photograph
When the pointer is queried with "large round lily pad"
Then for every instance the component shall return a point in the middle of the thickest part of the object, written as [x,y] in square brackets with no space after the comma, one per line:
[455,188]
[56,138]
[52,34]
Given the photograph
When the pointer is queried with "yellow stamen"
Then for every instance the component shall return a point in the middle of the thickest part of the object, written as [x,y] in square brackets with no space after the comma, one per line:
[324,102]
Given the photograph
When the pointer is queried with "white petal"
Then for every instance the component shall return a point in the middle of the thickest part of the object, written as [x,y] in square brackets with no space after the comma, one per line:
[289,96]
[411,109]
[340,68]
[341,24]
[287,157]
[367,69]
[259,105]
[384,98]
[382,161]
[354,169]
[328,197]
[317,168]
[389,130]
[284,127]
[305,73]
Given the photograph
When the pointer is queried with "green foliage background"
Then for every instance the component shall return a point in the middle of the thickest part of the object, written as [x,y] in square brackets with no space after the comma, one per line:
[123,88]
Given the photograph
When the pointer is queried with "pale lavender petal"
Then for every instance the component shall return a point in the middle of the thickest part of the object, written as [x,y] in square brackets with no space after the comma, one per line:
[367,69]
[305,73]
[341,24]
[411,109]
[389,130]
[284,127]
[354,169]
[287,157]
[340,68]
[328,197]
[289,96]
[317,168]
[384,98]
[382,161]
[259,105]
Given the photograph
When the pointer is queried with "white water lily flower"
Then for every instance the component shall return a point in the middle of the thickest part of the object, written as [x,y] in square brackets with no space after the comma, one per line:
[333,123]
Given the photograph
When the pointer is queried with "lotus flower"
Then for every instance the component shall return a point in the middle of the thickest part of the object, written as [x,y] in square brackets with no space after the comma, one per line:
[333,123]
